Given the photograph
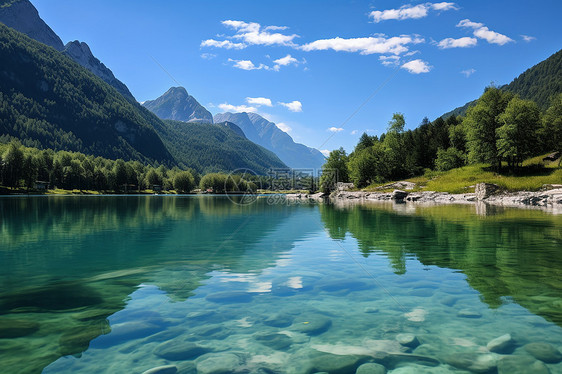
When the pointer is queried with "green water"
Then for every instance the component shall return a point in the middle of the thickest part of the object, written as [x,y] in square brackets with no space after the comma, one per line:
[124,284]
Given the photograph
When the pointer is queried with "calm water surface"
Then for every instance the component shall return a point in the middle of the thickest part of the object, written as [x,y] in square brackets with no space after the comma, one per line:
[124,284]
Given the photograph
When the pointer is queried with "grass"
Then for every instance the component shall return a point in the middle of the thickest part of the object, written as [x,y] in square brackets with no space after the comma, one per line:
[531,177]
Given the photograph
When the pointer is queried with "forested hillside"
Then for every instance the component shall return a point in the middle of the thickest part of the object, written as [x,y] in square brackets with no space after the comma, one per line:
[501,130]
[49,101]
[539,84]
[209,148]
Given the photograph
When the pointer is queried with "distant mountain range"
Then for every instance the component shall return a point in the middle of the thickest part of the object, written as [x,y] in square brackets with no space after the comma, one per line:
[538,83]
[267,134]
[210,148]
[51,96]
[176,104]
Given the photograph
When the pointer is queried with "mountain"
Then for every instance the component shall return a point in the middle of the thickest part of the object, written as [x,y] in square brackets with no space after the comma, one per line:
[232,127]
[22,16]
[539,83]
[176,104]
[80,52]
[210,148]
[49,101]
[267,134]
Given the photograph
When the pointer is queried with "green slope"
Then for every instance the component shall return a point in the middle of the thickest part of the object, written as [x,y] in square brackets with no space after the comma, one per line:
[539,83]
[209,148]
[49,101]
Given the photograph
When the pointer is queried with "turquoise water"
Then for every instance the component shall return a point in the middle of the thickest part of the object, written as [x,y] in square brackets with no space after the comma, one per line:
[125,284]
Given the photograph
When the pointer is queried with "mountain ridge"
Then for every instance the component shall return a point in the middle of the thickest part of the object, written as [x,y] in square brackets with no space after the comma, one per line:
[49,101]
[215,148]
[267,134]
[22,16]
[176,104]
[538,83]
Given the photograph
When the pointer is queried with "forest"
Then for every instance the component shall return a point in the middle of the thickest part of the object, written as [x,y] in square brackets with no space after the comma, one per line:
[22,167]
[501,130]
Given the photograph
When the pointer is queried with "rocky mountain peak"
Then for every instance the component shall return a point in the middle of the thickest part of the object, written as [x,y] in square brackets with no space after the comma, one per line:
[81,53]
[22,16]
[177,104]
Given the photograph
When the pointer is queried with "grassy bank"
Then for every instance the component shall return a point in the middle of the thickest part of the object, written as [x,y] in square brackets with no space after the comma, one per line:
[531,177]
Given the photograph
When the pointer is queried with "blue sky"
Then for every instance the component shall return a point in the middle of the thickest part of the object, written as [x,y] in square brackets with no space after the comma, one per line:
[310,65]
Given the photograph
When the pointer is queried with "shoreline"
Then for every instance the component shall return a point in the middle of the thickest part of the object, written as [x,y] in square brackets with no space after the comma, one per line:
[548,200]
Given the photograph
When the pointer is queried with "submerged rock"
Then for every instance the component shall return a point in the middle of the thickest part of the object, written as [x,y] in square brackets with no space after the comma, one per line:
[475,362]
[336,364]
[176,350]
[273,340]
[342,285]
[392,360]
[315,324]
[408,340]
[521,365]
[545,352]
[427,350]
[502,344]
[371,368]
[230,297]
[279,320]
[167,369]
[220,363]
[449,300]
[468,313]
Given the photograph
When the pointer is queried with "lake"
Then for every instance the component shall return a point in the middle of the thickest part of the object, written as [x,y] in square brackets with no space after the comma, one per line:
[123,284]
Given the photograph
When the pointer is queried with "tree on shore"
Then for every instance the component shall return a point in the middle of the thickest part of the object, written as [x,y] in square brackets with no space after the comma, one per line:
[552,126]
[517,136]
[12,165]
[334,170]
[481,122]
[183,181]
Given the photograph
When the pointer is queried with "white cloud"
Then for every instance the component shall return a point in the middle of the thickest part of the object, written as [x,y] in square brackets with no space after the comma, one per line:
[252,33]
[468,72]
[335,129]
[465,42]
[283,127]
[285,61]
[409,11]
[258,101]
[293,106]
[237,108]
[227,44]
[528,38]
[469,23]
[482,32]
[444,6]
[248,65]
[405,12]
[276,28]
[208,56]
[325,152]
[366,46]
[492,36]
[390,60]
[354,132]
[417,66]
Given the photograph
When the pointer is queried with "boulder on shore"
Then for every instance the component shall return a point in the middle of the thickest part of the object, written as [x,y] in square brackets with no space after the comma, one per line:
[485,190]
